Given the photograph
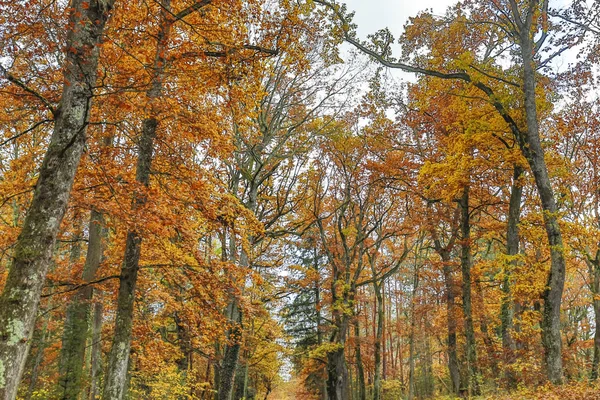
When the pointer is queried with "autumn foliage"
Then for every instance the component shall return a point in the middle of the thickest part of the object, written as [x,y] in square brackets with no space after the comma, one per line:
[217,199]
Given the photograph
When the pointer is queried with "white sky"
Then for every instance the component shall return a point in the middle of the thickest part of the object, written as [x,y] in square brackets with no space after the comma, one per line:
[373,15]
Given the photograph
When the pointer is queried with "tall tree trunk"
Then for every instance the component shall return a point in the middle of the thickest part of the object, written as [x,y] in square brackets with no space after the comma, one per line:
[231,355]
[427,366]
[378,339]
[118,361]
[21,295]
[115,381]
[232,348]
[512,249]
[360,370]
[78,315]
[96,365]
[39,357]
[453,366]
[594,271]
[337,370]
[411,338]
[487,338]
[534,153]
[318,314]
[465,262]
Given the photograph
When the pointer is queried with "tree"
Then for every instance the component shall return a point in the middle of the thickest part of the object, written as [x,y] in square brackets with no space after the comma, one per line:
[33,250]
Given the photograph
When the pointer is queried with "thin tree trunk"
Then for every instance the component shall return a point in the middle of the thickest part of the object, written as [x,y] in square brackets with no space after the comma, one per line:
[39,357]
[360,370]
[453,366]
[487,338]
[512,249]
[411,339]
[78,316]
[96,365]
[378,339]
[118,361]
[594,271]
[466,261]
[21,295]
[318,314]
[232,348]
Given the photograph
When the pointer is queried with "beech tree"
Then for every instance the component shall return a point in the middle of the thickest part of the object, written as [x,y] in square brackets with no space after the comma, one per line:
[33,250]
[231,204]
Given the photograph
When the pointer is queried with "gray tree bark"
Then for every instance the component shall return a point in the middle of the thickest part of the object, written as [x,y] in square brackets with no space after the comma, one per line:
[78,317]
[378,338]
[115,381]
[338,387]
[21,295]
[512,249]
[360,370]
[96,364]
[453,366]
[534,153]
[465,262]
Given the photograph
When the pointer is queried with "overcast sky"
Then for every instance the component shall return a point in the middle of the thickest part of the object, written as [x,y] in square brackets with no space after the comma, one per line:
[372,15]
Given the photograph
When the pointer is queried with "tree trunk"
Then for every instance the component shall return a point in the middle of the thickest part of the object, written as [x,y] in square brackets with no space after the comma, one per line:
[337,370]
[21,295]
[487,338]
[234,340]
[533,151]
[338,379]
[594,272]
[512,249]
[453,366]
[96,365]
[115,381]
[323,387]
[116,375]
[232,351]
[411,360]
[465,262]
[39,357]
[360,371]
[78,316]
[378,339]
[232,348]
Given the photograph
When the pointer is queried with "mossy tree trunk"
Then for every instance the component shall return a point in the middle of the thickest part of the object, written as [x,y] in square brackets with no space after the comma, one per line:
[21,295]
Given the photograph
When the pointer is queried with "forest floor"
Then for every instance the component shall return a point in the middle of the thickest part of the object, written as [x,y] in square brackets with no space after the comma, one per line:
[572,391]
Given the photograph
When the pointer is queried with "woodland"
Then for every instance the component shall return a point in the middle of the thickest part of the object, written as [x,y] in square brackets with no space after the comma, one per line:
[243,199]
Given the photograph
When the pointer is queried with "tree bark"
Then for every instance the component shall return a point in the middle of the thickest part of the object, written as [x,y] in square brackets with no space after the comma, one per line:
[512,249]
[337,370]
[534,153]
[453,366]
[594,272]
[360,370]
[465,262]
[115,381]
[232,348]
[96,365]
[378,339]
[232,352]
[78,317]
[411,338]
[39,357]
[21,295]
